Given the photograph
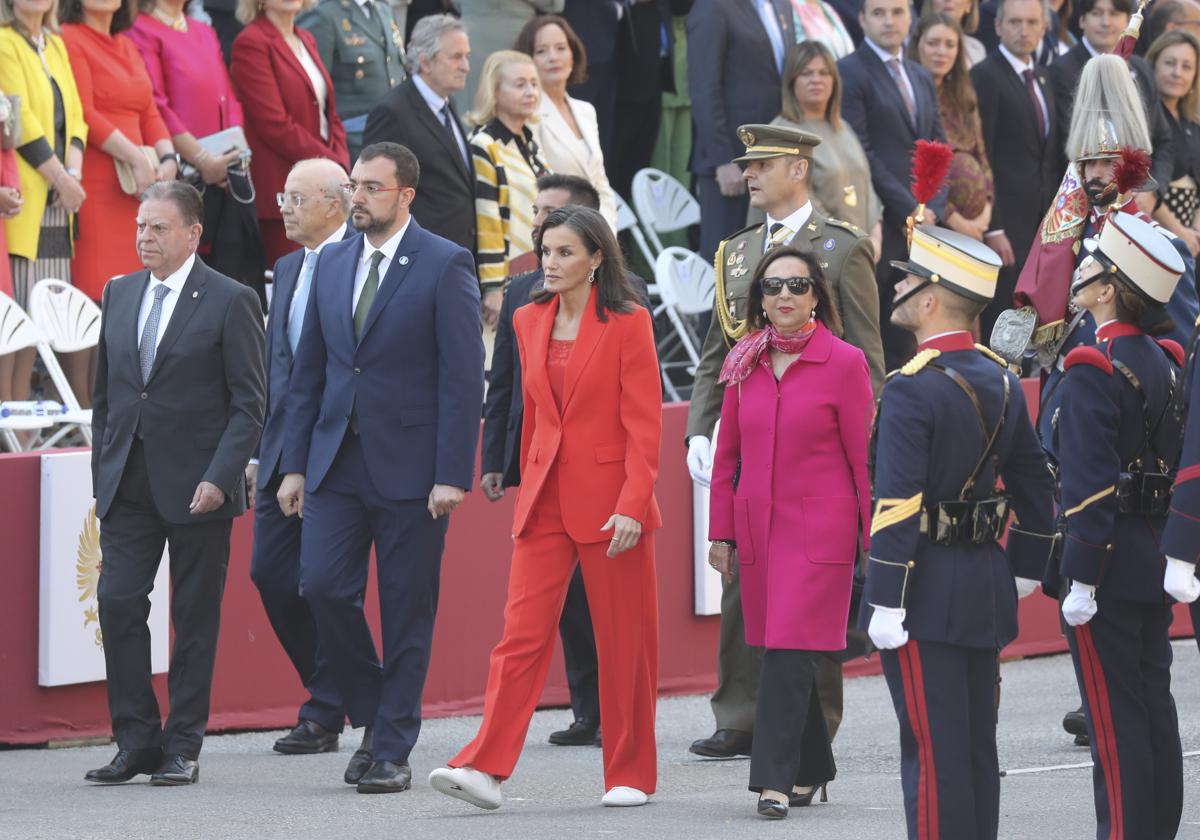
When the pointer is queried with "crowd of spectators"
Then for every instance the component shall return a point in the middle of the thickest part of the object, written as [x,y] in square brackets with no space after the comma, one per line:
[105,97]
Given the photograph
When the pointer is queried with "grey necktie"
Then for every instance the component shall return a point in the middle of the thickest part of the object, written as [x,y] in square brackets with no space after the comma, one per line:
[149,343]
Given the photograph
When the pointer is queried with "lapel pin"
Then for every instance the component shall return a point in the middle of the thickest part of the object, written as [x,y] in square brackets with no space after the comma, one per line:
[195,294]
[404,261]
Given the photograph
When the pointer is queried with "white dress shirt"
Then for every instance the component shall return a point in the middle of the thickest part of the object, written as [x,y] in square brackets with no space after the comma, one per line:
[1019,67]
[319,87]
[793,222]
[436,103]
[174,282]
[364,262]
[885,57]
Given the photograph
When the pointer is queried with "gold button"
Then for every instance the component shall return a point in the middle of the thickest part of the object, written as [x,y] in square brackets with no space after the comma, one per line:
[912,564]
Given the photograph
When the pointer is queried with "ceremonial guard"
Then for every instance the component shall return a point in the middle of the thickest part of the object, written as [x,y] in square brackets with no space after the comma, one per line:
[777,167]
[1181,539]
[1116,441]
[363,49]
[951,424]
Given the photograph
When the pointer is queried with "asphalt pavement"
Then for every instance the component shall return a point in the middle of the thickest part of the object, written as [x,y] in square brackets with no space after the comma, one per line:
[247,791]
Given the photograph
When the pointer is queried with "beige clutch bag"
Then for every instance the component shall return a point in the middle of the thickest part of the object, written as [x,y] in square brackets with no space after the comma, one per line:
[125,172]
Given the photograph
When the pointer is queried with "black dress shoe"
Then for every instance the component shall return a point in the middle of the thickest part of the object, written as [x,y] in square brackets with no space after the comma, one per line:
[125,765]
[1075,722]
[307,738]
[176,770]
[803,800]
[386,777]
[771,809]
[724,743]
[361,761]
[581,733]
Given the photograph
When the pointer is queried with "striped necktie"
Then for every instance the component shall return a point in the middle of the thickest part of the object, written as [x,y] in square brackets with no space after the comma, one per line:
[149,343]
[780,234]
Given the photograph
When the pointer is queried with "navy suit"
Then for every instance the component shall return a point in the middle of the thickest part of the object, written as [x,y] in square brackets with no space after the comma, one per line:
[872,105]
[1123,654]
[1181,538]
[960,598]
[414,382]
[275,562]
[733,80]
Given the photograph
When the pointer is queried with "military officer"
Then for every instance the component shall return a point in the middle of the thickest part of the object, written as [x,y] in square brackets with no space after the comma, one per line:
[777,166]
[1181,539]
[941,592]
[362,47]
[1116,441]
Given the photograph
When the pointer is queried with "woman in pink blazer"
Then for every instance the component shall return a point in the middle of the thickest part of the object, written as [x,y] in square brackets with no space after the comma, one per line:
[790,491]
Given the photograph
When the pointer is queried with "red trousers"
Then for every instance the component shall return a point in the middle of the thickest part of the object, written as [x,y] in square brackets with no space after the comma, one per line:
[623,599]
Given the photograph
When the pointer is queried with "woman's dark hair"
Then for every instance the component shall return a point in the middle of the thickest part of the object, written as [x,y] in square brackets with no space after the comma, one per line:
[1123,6]
[956,89]
[71,11]
[613,290]
[827,313]
[528,35]
[1132,308]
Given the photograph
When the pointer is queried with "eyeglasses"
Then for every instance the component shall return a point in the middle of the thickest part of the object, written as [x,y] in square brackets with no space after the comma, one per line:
[296,199]
[772,286]
[370,189]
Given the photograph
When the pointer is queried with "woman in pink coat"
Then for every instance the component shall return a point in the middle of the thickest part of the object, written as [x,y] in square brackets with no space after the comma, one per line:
[790,491]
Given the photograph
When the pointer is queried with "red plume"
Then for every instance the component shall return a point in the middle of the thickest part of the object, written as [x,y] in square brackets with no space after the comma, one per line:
[1131,170]
[930,165]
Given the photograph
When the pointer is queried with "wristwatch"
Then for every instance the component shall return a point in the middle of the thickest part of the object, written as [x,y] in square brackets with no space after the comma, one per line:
[171,156]
[728,543]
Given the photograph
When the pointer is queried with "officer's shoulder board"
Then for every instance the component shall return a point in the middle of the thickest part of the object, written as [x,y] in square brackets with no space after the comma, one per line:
[918,362]
[1173,348]
[991,354]
[849,227]
[1088,355]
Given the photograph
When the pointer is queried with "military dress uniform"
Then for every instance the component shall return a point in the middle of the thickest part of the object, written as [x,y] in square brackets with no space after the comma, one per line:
[362,48]
[847,259]
[1181,539]
[952,423]
[1115,444]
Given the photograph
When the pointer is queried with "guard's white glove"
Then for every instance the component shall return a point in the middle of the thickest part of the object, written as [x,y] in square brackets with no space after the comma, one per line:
[887,628]
[1080,604]
[1026,586]
[699,459]
[1179,580]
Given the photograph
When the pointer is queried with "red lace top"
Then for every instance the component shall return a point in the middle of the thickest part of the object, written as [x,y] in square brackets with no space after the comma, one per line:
[556,366]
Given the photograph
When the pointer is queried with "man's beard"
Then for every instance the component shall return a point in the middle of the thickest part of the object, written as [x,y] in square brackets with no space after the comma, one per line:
[372,223]
[1099,193]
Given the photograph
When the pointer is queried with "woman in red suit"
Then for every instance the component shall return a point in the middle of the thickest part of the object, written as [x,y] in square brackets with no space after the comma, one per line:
[589,459]
[287,97]
[790,491]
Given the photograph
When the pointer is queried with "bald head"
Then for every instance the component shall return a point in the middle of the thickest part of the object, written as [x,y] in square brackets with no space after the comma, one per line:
[315,201]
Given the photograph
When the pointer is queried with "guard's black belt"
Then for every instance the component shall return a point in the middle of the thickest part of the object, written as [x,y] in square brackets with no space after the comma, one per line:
[974,522]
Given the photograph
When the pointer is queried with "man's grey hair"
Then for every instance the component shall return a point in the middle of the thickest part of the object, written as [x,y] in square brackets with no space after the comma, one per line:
[333,179]
[426,39]
[1000,4]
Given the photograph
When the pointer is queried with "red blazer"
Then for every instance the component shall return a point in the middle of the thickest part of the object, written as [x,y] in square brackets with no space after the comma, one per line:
[283,125]
[606,439]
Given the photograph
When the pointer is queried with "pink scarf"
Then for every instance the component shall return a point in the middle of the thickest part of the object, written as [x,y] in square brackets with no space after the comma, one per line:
[744,356]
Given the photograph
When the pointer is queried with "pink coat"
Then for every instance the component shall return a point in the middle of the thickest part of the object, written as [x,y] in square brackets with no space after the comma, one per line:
[803,498]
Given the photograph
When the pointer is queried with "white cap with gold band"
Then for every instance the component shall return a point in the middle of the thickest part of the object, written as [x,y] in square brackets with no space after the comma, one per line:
[947,258]
[1139,254]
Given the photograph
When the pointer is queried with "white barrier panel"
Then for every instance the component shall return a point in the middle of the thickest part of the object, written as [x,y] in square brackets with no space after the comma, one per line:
[70,645]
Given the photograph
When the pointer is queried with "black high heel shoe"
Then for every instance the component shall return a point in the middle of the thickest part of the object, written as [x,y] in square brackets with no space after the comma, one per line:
[803,800]
[772,809]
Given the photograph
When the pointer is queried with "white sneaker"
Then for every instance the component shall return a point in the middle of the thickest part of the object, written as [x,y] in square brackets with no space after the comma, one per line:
[624,797]
[468,784]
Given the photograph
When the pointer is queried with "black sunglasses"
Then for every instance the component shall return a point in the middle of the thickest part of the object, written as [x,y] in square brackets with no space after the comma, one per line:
[772,286]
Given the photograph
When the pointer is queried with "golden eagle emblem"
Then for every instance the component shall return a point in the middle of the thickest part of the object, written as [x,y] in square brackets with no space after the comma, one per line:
[87,570]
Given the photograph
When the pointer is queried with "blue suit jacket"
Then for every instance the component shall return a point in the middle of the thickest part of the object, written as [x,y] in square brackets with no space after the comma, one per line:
[873,108]
[279,359]
[415,378]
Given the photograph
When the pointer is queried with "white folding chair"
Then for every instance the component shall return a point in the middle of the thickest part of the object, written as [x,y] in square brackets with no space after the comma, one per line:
[18,332]
[663,205]
[70,322]
[628,220]
[686,283]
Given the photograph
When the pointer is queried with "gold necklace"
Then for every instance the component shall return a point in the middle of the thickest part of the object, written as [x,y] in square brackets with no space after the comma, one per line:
[179,24]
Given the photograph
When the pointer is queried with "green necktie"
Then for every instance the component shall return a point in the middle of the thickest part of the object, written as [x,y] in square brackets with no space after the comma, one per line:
[367,297]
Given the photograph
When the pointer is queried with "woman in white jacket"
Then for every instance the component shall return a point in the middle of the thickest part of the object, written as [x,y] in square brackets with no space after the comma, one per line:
[566,130]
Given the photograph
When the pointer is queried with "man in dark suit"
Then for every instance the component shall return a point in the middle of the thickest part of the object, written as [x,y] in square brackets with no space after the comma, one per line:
[1102,23]
[1021,135]
[177,410]
[315,206]
[420,115]
[735,74]
[379,448]
[503,413]
[890,103]
[602,25]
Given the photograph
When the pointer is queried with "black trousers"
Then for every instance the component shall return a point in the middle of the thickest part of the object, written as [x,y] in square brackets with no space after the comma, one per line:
[579,651]
[635,131]
[132,537]
[1123,664]
[898,343]
[945,700]
[720,217]
[275,570]
[791,743]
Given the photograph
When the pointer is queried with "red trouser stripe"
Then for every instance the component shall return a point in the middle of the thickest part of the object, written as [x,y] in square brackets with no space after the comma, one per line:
[1096,689]
[913,678]
[1187,474]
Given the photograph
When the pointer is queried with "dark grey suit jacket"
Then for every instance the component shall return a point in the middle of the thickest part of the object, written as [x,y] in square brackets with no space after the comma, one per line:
[201,410]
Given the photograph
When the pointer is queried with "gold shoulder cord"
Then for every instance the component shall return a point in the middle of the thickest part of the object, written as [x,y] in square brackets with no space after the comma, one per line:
[732,327]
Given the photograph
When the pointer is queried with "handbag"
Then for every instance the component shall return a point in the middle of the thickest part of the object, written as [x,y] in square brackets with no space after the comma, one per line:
[10,121]
[221,143]
[125,176]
